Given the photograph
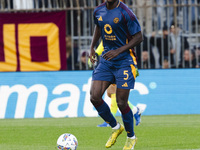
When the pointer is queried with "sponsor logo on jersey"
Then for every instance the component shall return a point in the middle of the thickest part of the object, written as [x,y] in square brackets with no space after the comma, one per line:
[108,28]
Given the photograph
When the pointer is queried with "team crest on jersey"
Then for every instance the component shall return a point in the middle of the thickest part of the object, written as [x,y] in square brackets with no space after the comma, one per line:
[116,20]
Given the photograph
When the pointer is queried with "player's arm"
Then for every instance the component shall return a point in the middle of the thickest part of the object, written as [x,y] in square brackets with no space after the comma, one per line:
[136,39]
[96,36]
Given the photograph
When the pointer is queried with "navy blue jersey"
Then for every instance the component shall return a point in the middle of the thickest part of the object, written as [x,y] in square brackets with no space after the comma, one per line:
[117,27]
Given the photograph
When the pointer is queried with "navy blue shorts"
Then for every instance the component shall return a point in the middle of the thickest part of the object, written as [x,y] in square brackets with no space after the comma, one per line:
[123,77]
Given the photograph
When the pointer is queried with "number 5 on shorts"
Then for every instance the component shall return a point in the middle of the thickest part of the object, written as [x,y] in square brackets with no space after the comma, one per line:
[126,74]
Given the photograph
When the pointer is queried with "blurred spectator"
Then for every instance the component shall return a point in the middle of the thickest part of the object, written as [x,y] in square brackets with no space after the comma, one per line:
[83,64]
[145,50]
[197,53]
[144,14]
[179,43]
[164,44]
[185,15]
[23,4]
[189,59]
[165,64]
[189,14]
[161,14]
[145,59]
[6,4]
[41,4]
[72,55]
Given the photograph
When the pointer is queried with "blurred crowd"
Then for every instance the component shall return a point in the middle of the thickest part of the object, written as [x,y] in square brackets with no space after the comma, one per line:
[168,49]
[171,30]
[168,27]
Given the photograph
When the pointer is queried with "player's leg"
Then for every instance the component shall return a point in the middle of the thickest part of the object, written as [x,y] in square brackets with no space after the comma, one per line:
[137,110]
[118,129]
[127,117]
[113,108]
[125,79]
[97,90]
[136,114]
[111,91]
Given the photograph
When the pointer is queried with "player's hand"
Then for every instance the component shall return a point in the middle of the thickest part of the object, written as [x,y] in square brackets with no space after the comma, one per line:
[90,63]
[110,55]
[92,56]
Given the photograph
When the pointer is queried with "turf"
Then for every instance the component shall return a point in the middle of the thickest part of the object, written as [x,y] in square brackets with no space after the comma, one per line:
[170,132]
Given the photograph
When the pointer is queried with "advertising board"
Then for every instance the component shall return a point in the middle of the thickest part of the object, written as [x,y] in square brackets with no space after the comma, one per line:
[66,93]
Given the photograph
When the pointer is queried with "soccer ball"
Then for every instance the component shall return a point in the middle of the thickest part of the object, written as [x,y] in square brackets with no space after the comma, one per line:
[67,141]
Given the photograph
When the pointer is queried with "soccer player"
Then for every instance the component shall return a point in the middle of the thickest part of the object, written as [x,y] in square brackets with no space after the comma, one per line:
[111,92]
[120,31]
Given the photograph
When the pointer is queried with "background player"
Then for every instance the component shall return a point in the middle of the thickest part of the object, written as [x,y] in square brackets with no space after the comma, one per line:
[120,31]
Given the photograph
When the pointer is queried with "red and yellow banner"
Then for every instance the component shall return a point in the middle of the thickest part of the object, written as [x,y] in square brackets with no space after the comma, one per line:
[32,41]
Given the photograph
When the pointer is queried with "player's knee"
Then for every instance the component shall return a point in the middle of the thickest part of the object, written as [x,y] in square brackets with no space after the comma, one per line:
[95,98]
[121,105]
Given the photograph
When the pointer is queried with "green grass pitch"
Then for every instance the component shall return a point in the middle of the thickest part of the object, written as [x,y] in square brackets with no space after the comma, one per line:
[164,132]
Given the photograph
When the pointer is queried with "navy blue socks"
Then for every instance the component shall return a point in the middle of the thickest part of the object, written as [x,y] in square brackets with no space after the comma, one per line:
[104,111]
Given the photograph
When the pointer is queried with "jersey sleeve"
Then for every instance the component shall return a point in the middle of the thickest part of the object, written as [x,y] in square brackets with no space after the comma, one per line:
[132,23]
[95,19]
